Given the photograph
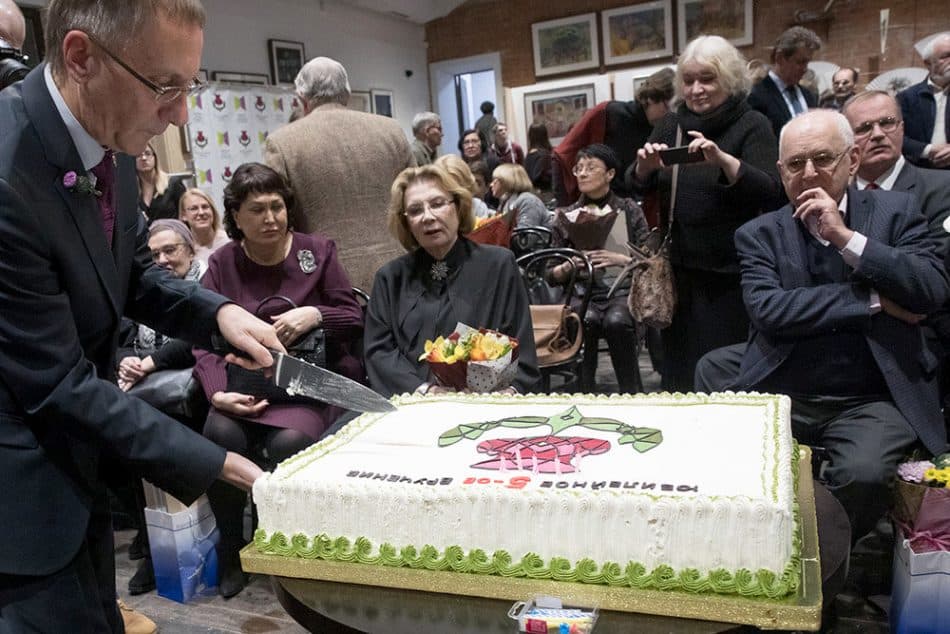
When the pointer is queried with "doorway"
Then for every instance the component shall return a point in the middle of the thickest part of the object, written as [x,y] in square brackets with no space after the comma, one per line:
[471,89]
[458,88]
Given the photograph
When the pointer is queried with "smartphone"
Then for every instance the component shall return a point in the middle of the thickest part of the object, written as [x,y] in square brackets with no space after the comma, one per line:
[681,154]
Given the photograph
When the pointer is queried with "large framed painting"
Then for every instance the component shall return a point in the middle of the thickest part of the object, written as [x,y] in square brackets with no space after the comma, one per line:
[638,32]
[558,109]
[565,45]
[732,19]
[286,60]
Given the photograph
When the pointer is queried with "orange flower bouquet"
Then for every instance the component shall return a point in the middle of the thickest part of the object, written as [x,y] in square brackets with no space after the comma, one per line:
[478,360]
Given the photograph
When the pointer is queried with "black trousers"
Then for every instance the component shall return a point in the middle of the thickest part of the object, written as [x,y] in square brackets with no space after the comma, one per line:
[864,439]
[80,597]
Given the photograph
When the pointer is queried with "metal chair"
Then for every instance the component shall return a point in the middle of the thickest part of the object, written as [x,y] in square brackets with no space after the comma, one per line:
[529,239]
[535,272]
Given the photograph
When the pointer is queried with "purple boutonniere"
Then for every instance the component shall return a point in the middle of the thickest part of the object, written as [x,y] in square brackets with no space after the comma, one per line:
[80,184]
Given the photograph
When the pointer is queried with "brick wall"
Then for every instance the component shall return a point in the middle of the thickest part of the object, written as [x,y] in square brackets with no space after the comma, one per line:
[851,31]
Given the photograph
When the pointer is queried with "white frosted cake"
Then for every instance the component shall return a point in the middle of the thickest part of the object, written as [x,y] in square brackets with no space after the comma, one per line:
[686,492]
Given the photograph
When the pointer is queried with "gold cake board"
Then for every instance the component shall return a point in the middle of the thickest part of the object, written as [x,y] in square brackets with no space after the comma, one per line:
[801,611]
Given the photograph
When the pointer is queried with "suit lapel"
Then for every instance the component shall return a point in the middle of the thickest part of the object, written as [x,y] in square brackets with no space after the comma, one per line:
[906,180]
[61,154]
[796,274]
[859,212]
[778,101]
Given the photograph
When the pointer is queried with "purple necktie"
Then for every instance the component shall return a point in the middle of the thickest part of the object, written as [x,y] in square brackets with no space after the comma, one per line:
[872,185]
[105,178]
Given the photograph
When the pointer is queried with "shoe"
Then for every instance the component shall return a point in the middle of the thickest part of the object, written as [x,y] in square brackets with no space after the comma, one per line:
[231,579]
[138,549]
[144,578]
[135,621]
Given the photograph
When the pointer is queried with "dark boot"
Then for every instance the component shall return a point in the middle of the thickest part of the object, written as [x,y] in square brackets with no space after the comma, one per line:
[139,546]
[227,503]
[231,578]
[144,578]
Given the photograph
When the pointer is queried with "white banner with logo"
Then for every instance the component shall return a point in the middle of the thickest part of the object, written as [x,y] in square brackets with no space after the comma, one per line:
[228,124]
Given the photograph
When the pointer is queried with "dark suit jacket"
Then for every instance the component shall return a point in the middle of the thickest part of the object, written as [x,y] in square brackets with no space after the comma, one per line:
[900,262]
[919,111]
[63,292]
[931,188]
[767,99]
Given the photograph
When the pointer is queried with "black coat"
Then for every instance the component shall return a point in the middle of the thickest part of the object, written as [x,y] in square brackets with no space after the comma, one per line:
[767,99]
[483,290]
[63,292]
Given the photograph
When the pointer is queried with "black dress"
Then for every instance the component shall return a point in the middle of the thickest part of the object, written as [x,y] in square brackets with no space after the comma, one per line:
[164,205]
[482,288]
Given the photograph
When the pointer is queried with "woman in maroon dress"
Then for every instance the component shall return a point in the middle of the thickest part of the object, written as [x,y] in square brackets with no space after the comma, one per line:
[265,259]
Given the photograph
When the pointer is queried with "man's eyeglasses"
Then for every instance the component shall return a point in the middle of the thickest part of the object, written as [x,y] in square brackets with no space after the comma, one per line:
[436,205]
[887,124]
[168,250]
[163,94]
[824,161]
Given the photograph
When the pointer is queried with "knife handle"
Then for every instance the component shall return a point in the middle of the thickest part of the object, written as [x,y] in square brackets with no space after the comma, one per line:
[220,345]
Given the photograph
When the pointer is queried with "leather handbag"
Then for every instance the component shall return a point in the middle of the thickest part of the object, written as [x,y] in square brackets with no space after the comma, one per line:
[652,298]
[557,333]
[311,347]
[172,392]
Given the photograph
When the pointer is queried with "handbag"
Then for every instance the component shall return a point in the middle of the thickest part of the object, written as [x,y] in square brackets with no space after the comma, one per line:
[311,347]
[652,297]
[554,325]
[172,392]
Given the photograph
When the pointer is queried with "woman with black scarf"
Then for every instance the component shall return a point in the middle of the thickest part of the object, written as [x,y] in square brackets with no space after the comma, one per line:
[734,180]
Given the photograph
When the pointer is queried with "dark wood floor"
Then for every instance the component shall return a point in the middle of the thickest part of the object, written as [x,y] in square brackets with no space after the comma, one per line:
[256,610]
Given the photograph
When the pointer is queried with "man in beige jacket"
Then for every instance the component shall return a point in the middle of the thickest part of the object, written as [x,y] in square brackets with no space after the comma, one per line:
[341,164]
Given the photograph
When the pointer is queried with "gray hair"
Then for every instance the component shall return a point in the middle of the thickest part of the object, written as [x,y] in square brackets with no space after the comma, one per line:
[323,80]
[179,227]
[845,133]
[423,120]
[864,95]
[795,38]
[116,24]
[928,50]
[717,52]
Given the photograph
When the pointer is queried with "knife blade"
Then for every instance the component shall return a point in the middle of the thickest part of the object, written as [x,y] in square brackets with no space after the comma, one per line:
[304,379]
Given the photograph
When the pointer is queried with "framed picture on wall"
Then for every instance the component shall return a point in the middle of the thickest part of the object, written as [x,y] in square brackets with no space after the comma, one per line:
[558,109]
[286,60]
[565,45]
[382,101]
[732,19]
[360,100]
[258,79]
[638,32]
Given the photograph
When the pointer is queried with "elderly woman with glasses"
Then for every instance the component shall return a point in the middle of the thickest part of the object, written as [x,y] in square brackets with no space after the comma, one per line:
[595,168]
[158,193]
[444,279]
[734,179]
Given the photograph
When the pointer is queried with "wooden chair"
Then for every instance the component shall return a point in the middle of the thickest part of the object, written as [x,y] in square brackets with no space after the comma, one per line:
[535,272]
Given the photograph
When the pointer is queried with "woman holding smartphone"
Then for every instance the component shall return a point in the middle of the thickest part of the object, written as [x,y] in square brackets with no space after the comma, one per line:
[734,179]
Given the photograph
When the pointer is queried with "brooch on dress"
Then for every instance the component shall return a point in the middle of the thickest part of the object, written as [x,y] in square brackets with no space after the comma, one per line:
[439,271]
[308,263]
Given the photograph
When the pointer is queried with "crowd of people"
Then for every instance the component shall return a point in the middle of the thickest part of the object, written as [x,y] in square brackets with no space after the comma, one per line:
[809,247]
